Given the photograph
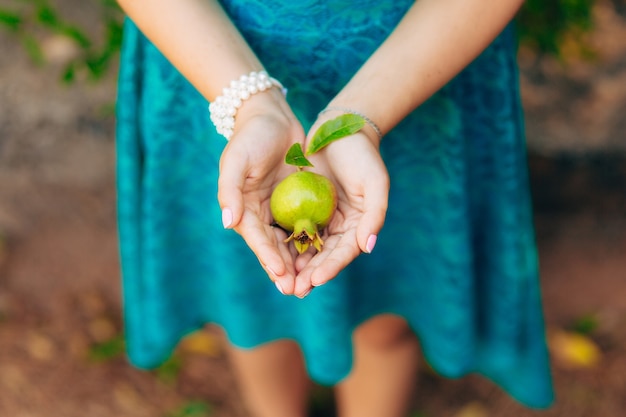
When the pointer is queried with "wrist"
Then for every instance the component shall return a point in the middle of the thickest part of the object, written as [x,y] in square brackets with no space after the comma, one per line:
[249,87]
[270,106]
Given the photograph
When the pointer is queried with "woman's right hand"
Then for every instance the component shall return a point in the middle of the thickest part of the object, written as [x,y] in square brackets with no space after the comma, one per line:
[251,166]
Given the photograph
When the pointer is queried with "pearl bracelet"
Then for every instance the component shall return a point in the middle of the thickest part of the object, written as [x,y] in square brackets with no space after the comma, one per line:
[224,108]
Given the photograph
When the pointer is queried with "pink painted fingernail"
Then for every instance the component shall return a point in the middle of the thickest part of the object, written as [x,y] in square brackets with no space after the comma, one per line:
[371,242]
[279,287]
[227,217]
[306,293]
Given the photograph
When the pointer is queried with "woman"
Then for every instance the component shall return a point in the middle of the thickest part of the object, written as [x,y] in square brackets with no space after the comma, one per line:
[454,264]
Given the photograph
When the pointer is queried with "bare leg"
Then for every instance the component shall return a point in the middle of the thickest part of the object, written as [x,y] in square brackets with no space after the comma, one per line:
[272,379]
[384,372]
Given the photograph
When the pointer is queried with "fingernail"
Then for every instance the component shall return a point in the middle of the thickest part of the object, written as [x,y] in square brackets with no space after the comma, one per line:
[227,217]
[306,293]
[371,242]
[279,287]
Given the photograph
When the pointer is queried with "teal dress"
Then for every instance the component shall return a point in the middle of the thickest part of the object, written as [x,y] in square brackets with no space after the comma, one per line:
[456,256]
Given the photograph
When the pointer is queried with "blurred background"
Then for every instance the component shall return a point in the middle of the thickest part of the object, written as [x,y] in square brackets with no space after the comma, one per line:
[61,341]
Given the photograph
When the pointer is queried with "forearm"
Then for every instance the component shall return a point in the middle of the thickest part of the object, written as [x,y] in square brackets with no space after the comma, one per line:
[198,38]
[434,42]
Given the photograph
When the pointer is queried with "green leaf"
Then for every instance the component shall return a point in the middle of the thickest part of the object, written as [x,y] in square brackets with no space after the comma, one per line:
[169,370]
[192,409]
[69,74]
[32,47]
[75,34]
[107,350]
[47,16]
[114,34]
[585,325]
[108,3]
[9,19]
[296,157]
[334,129]
[97,64]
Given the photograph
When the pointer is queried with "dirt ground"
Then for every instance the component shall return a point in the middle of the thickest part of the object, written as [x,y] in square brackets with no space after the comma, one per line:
[61,351]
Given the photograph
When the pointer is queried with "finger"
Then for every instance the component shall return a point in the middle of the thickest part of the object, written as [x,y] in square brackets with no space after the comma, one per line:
[230,186]
[308,261]
[337,253]
[286,282]
[302,283]
[375,203]
[262,240]
[335,261]
[306,264]
[303,259]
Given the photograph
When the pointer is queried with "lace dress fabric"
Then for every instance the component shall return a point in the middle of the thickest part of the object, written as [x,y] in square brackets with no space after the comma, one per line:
[456,256]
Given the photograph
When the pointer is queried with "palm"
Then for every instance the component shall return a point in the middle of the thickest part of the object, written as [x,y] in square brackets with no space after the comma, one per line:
[362,188]
[251,167]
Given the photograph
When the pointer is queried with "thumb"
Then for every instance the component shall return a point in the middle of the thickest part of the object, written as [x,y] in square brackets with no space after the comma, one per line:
[230,192]
[374,211]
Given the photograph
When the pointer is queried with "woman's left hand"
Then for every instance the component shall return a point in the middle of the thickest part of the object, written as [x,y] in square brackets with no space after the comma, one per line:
[356,168]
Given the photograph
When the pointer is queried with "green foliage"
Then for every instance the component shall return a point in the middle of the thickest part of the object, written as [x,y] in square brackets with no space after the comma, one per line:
[107,350]
[585,325]
[169,370]
[295,156]
[334,129]
[330,131]
[30,20]
[10,20]
[544,25]
[192,409]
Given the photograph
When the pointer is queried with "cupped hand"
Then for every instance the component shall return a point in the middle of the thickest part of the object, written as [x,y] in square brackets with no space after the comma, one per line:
[251,166]
[356,168]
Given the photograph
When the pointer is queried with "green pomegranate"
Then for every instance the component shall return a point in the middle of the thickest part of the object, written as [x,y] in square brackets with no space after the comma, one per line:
[303,204]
